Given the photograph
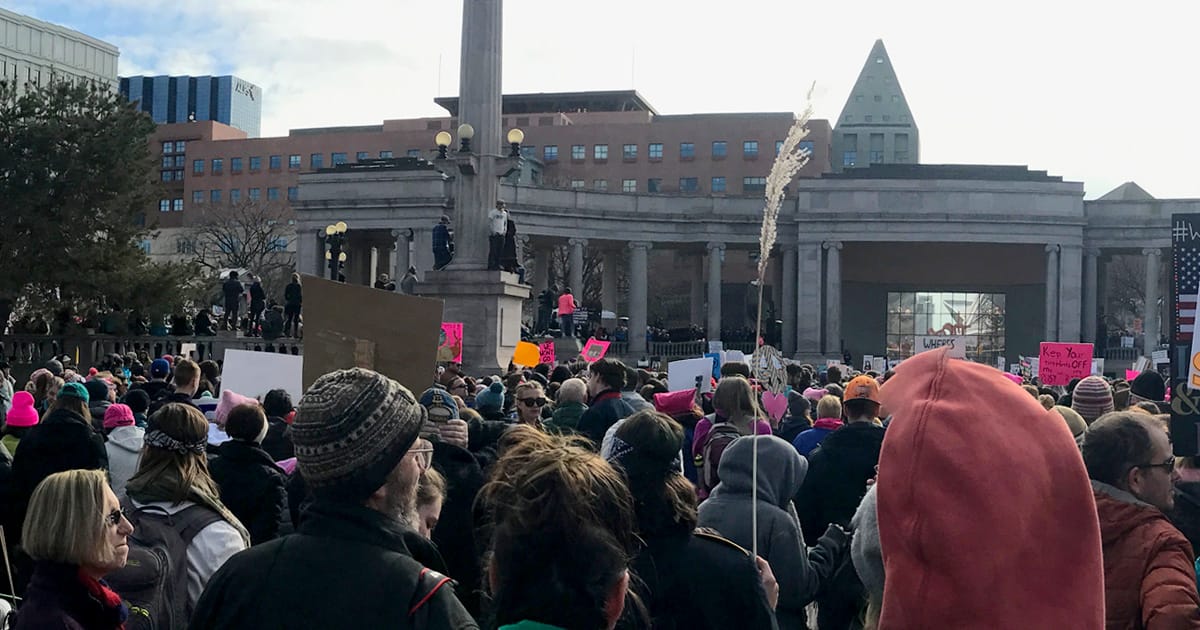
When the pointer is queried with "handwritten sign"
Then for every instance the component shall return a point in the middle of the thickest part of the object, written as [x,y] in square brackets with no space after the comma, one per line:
[1058,363]
[594,350]
[546,350]
[526,354]
[690,374]
[956,343]
[450,342]
[716,367]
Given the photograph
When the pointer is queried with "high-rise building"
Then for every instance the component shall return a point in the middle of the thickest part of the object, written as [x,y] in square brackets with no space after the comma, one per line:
[225,99]
[33,51]
[876,125]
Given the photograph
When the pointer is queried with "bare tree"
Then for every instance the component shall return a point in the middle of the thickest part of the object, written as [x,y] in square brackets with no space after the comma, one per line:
[252,235]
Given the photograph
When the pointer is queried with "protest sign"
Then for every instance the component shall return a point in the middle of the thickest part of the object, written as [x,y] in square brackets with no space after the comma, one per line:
[450,343]
[832,362]
[956,343]
[527,354]
[254,374]
[546,351]
[594,350]
[894,363]
[716,346]
[1131,374]
[879,364]
[1014,368]
[1160,357]
[348,326]
[716,357]
[689,373]
[1001,362]
[1058,363]
[1098,367]
[188,350]
[1183,384]
[735,356]
[868,362]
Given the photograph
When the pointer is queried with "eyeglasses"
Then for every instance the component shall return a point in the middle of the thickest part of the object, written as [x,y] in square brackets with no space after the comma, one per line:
[423,456]
[114,517]
[1167,466]
[533,402]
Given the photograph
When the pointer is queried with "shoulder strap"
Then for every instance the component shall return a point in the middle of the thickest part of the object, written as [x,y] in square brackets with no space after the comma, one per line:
[193,519]
[429,582]
[710,535]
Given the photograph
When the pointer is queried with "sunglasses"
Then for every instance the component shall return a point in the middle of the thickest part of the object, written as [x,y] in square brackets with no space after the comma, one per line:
[114,517]
[533,402]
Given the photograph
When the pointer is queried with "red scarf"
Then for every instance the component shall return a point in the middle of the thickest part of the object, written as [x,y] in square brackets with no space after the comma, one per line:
[106,596]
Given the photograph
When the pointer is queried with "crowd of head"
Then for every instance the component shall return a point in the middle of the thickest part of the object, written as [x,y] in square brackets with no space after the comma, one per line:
[942,493]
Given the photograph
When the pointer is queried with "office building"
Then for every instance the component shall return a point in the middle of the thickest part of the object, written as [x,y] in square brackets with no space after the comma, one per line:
[36,52]
[225,99]
[876,125]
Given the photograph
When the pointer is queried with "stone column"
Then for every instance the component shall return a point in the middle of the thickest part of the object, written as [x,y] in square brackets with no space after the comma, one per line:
[543,256]
[383,259]
[403,254]
[1091,300]
[788,301]
[1051,331]
[1150,316]
[576,264]
[716,256]
[638,263]
[310,253]
[833,297]
[808,301]
[1070,292]
[696,310]
[608,282]
[422,251]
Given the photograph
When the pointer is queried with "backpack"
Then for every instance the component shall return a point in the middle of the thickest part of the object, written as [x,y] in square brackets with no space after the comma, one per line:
[153,583]
[715,443]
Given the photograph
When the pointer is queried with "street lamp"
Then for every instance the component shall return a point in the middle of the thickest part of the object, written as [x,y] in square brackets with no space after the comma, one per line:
[442,140]
[335,238]
[465,133]
[515,138]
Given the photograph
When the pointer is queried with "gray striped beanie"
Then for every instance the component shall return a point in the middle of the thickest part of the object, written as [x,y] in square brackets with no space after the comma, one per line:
[352,428]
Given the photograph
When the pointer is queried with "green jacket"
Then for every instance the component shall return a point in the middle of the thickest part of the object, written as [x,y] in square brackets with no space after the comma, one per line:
[566,418]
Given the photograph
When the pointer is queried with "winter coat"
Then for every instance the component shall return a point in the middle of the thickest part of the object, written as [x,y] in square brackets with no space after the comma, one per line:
[232,290]
[812,438]
[636,401]
[791,427]
[258,297]
[603,411]
[293,295]
[97,409]
[63,440]
[455,533]
[58,598]
[837,477]
[278,443]
[252,487]
[799,571]
[124,448]
[1149,572]
[566,417]
[290,582]
[1186,515]
[155,389]
[729,596]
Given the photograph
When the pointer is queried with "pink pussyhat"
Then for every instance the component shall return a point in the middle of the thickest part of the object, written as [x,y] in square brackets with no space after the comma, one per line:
[22,413]
[229,400]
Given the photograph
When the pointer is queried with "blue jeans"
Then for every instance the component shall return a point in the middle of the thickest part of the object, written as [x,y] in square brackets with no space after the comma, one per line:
[568,325]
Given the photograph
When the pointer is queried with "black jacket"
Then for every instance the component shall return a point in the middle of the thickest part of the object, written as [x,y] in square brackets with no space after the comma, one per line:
[173,397]
[455,534]
[347,567]
[1186,515]
[252,487]
[293,295]
[232,289]
[63,440]
[700,581]
[258,297]
[57,598]
[837,477]
[278,443]
[603,411]
[155,389]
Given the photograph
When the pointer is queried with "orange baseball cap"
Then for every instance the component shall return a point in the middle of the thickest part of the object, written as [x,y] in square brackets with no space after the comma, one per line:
[862,388]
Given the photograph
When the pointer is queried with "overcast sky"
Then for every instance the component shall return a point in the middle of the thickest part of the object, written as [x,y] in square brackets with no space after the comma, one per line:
[1100,92]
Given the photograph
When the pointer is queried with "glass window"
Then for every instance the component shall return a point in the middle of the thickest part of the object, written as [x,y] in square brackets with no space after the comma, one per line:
[235,195]
[778,146]
[629,185]
[878,98]
[550,153]
[337,158]
[180,161]
[750,149]
[275,163]
[145,245]
[687,150]
[235,165]
[164,205]
[293,193]
[385,155]
[254,194]
[654,184]
[718,184]
[600,184]
[316,160]
[720,148]
[807,145]
[528,150]
[689,184]
[197,196]
[849,158]
[168,161]
[293,161]
[177,204]
[895,98]
[168,176]
[578,151]
[214,195]
[578,184]
[600,152]
[197,167]
[255,163]
[754,184]
[361,155]
[272,194]
[656,151]
[180,145]
[979,318]
[629,151]
[868,118]
[414,153]
[168,147]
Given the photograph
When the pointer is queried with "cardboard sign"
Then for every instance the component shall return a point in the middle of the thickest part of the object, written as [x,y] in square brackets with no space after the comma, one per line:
[1131,374]
[956,343]
[689,373]
[716,357]
[1058,363]
[348,326]
[879,364]
[594,350]
[254,374]
[546,351]
[527,354]
[1098,367]
[450,343]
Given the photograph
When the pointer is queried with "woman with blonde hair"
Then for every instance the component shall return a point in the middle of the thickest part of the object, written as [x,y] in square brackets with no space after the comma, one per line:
[735,413]
[530,399]
[172,479]
[76,534]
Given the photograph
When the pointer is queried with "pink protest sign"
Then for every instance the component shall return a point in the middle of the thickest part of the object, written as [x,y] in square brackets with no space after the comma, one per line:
[1058,363]
[1131,374]
[450,344]
[594,350]
[546,350]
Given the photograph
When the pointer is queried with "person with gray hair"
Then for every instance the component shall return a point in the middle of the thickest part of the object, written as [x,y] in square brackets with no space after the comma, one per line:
[568,407]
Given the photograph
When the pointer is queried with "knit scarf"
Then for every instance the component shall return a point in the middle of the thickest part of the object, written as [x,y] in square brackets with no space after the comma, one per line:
[114,609]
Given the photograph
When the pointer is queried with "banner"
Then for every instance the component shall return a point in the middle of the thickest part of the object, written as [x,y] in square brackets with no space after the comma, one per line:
[254,374]
[956,343]
[546,351]
[1058,363]
[689,374]
[450,343]
[594,350]
[527,354]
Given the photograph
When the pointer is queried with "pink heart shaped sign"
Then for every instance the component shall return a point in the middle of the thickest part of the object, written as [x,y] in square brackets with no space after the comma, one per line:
[775,404]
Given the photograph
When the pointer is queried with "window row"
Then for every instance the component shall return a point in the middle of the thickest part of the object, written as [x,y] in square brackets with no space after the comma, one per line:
[686,185]
[274,162]
[629,152]
[235,195]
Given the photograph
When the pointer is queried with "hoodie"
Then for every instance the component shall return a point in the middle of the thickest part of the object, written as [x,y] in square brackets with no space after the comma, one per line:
[986,516]
[812,438]
[124,447]
[799,571]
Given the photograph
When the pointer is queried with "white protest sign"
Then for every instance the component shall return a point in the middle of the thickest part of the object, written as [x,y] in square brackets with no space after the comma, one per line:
[735,355]
[1098,367]
[956,343]
[879,364]
[868,362]
[1160,357]
[832,362]
[1001,362]
[188,350]
[254,374]
[716,346]
[686,373]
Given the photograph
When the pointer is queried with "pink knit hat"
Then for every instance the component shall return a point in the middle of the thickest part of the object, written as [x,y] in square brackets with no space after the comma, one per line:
[229,400]
[815,394]
[676,402]
[118,415]
[22,413]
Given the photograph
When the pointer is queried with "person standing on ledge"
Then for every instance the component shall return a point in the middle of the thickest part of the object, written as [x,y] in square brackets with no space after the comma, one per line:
[566,312]
[498,220]
[443,243]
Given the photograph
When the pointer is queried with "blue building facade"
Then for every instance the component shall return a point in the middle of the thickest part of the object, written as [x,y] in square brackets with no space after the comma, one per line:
[225,99]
